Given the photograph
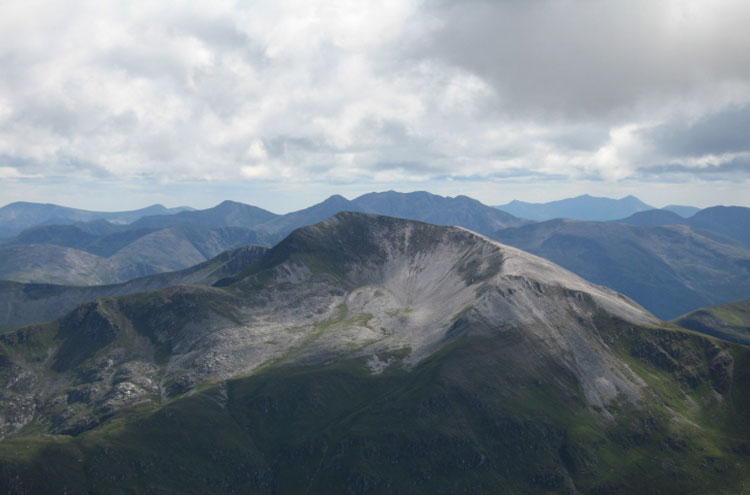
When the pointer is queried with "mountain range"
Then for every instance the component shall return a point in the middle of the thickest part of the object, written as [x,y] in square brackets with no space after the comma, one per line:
[732,222]
[592,208]
[369,354]
[583,207]
[18,216]
[97,252]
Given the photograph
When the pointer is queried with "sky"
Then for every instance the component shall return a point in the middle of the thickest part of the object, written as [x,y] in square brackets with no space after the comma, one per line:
[113,105]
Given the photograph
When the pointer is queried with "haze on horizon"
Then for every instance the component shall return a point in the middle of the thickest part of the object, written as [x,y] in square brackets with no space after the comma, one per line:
[115,105]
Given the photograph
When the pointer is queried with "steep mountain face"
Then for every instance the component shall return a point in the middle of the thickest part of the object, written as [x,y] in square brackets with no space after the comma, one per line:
[670,270]
[369,354]
[581,208]
[730,321]
[16,217]
[35,303]
[119,257]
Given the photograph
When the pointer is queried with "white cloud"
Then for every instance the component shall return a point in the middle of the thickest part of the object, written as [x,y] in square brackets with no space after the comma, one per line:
[351,92]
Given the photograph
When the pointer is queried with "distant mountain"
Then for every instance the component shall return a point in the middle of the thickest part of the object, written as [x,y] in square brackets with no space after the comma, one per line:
[654,217]
[729,321]
[35,303]
[279,227]
[732,222]
[683,211]
[16,217]
[369,355]
[670,270]
[159,243]
[582,208]
[120,256]
[461,210]
[439,210]
[225,214]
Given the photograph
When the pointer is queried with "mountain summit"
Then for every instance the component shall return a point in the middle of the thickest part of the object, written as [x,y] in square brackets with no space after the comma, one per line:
[369,354]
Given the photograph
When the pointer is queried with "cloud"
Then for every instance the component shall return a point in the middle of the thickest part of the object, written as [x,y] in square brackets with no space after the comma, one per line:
[342,92]
[724,131]
[588,59]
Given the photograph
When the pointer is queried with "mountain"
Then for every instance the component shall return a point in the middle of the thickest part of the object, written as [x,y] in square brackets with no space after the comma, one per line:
[683,211]
[670,270]
[369,354]
[654,217]
[121,256]
[225,214]
[461,210]
[161,243]
[731,222]
[35,303]
[581,207]
[423,206]
[730,321]
[16,217]
[279,227]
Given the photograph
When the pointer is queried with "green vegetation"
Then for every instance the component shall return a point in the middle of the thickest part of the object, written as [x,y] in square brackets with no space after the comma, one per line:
[730,321]
[474,417]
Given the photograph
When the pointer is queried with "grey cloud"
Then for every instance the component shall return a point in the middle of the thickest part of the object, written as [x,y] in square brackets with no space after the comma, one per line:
[587,58]
[738,168]
[727,131]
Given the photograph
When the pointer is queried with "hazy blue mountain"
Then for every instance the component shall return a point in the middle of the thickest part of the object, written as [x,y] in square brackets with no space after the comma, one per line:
[35,303]
[683,211]
[117,257]
[16,217]
[654,217]
[160,243]
[225,214]
[729,321]
[732,222]
[582,208]
[670,270]
[461,210]
[439,210]
[370,354]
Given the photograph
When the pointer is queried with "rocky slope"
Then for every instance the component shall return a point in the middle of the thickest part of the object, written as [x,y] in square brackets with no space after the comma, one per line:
[369,354]
[670,270]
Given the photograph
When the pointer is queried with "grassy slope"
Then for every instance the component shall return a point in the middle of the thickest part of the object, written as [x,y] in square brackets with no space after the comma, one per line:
[479,416]
[730,321]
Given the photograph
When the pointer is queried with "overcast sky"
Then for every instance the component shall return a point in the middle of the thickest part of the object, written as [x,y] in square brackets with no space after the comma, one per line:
[115,105]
